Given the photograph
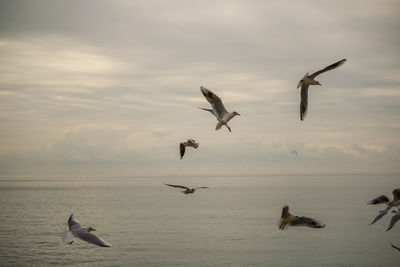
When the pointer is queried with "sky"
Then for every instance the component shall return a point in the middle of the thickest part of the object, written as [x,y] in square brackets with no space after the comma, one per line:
[112,87]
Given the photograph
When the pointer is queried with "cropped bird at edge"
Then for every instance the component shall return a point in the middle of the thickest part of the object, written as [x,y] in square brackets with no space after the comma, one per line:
[292,220]
[183,145]
[77,231]
[389,204]
[218,109]
[187,189]
[310,80]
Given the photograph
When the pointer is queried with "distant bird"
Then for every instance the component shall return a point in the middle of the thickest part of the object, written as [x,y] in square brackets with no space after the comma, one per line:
[310,80]
[76,230]
[385,200]
[218,109]
[187,189]
[183,145]
[395,247]
[294,152]
[394,220]
[287,218]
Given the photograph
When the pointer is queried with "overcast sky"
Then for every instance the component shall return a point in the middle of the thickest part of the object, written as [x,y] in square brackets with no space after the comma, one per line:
[113,87]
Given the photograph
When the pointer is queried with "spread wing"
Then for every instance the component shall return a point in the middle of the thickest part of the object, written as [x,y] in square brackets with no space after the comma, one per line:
[395,247]
[177,186]
[91,238]
[394,220]
[396,194]
[330,67]
[303,101]
[379,200]
[381,214]
[202,187]
[215,101]
[67,237]
[182,149]
[73,223]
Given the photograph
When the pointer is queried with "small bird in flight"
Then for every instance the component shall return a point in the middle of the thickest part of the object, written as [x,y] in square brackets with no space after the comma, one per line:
[310,80]
[218,109]
[385,200]
[289,219]
[183,145]
[187,189]
[76,230]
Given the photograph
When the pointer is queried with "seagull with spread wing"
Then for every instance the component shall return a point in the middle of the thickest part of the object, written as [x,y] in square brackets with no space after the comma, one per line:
[183,145]
[187,189]
[385,200]
[310,80]
[292,220]
[218,109]
[77,231]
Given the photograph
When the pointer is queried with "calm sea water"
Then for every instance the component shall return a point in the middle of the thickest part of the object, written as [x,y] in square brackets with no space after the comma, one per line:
[234,223]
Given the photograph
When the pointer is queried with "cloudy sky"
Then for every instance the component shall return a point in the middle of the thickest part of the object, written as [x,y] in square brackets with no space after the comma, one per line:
[112,87]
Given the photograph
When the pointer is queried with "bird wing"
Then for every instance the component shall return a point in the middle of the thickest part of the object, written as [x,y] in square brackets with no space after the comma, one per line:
[398,248]
[393,221]
[303,101]
[306,221]
[211,111]
[91,238]
[379,200]
[67,237]
[215,101]
[396,194]
[330,67]
[73,223]
[285,212]
[381,214]
[178,186]
[192,143]
[182,149]
[202,187]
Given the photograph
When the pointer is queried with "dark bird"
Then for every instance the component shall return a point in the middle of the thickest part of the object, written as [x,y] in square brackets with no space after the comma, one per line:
[76,230]
[218,109]
[187,189]
[385,200]
[292,220]
[310,80]
[183,145]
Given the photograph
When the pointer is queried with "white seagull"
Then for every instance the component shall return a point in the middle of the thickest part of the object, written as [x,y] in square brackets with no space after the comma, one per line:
[76,230]
[289,219]
[187,189]
[390,204]
[218,109]
[310,80]
[183,145]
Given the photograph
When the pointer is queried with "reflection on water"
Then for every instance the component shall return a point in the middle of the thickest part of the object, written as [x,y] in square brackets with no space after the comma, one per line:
[232,223]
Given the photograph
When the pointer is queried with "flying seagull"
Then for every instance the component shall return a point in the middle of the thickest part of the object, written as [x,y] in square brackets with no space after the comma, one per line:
[187,189]
[390,204]
[76,230]
[189,142]
[395,247]
[310,80]
[218,109]
[394,220]
[287,218]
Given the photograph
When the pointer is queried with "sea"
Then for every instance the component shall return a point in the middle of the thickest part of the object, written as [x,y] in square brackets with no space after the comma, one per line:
[232,223]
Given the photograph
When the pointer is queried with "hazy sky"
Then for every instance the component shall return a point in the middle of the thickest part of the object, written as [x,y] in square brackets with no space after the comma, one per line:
[112,87]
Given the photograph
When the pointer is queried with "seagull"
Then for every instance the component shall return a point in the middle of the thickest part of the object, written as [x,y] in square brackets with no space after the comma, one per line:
[287,218]
[189,142]
[76,230]
[390,204]
[395,247]
[394,220]
[187,189]
[310,80]
[218,109]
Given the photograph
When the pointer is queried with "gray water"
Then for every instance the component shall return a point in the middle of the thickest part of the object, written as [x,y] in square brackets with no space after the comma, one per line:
[234,223]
